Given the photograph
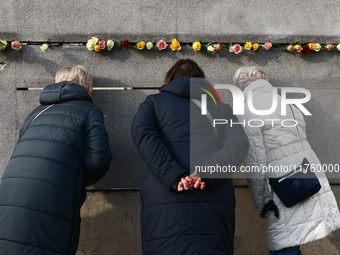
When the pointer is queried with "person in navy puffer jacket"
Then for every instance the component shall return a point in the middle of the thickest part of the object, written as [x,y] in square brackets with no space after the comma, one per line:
[182,213]
[63,147]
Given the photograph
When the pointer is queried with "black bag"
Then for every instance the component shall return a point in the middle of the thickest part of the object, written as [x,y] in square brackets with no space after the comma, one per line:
[296,186]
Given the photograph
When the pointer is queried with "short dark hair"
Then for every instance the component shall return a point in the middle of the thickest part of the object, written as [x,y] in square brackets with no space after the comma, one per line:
[183,67]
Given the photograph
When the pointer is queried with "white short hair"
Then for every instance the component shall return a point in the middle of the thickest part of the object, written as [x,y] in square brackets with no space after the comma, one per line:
[246,75]
[77,74]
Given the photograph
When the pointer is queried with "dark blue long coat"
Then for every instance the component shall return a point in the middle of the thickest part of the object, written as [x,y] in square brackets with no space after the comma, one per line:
[189,222]
[43,186]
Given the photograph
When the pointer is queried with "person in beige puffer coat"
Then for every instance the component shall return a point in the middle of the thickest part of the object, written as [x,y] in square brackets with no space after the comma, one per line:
[273,144]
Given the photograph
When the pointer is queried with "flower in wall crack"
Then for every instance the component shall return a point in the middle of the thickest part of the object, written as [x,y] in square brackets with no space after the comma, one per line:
[267,45]
[44,47]
[16,45]
[196,46]
[97,48]
[110,44]
[211,49]
[248,46]
[140,45]
[175,45]
[298,48]
[91,43]
[290,48]
[311,46]
[305,50]
[255,46]
[126,44]
[317,47]
[237,49]
[218,47]
[329,46]
[161,45]
[3,44]
[149,45]
[102,44]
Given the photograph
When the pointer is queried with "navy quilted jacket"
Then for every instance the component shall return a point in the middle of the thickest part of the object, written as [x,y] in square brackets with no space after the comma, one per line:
[189,222]
[65,148]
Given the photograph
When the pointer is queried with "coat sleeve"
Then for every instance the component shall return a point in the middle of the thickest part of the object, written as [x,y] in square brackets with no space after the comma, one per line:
[152,148]
[97,151]
[255,159]
[235,145]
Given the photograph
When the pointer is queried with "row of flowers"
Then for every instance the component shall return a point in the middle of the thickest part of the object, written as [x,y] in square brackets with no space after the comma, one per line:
[97,45]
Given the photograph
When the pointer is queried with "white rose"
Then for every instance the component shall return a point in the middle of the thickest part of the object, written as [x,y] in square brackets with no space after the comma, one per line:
[338,47]
[91,43]
[44,47]
[149,45]
[110,44]
[231,49]
[211,49]
[317,47]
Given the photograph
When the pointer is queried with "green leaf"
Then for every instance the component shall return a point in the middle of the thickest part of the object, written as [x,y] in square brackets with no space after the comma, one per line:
[118,44]
[284,47]
[224,46]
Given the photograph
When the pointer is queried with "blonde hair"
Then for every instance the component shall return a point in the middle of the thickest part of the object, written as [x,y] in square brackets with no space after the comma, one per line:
[246,75]
[77,74]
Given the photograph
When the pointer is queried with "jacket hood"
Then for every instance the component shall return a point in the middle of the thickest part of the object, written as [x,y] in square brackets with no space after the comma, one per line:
[262,95]
[63,92]
[186,86]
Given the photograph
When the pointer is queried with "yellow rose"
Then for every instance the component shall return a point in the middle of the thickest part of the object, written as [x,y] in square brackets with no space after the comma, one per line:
[298,48]
[140,45]
[175,45]
[90,45]
[317,47]
[44,47]
[110,44]
[149,45]
[196,46]
[311,46]
[255,46]
[97,48]
[248,45]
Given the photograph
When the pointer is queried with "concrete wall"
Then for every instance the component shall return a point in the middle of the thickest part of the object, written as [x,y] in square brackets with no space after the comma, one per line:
[111,212]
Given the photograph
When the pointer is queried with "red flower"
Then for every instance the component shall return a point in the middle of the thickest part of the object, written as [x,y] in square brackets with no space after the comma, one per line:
[305,50]
[126,43]
[102,44]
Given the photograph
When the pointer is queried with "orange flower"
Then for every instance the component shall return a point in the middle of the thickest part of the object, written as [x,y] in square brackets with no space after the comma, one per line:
[140,45]
[175,45]
[97,48]
[298,48]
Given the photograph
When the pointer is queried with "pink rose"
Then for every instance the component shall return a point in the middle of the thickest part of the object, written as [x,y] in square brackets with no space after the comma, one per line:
[102,44]
[217,47]
[161,45]
[267,46]
[16,45]
[237,48]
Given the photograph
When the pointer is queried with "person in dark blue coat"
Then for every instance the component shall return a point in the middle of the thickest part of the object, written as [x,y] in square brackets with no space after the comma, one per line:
[63,147]
[182,214]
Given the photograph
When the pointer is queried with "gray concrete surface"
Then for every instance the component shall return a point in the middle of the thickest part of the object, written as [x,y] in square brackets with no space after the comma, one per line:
[235,20]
